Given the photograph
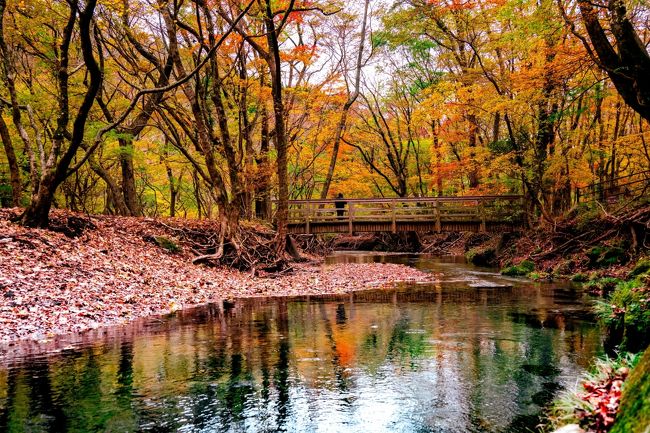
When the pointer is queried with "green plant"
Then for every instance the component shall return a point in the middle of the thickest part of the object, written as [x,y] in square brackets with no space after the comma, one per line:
[642,267]
[602,256]
[594,403]
[634,416]
[520,270]
[167,244]
[579,278]
[626,313]
[602,286]
[540,276]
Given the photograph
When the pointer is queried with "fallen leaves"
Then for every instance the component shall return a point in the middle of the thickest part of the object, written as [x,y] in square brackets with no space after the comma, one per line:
[52,284]
[603,398]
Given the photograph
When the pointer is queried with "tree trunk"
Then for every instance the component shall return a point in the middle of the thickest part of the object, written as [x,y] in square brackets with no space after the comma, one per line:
[263,199]
[173,189]
[115,195]
[37,213]
[438,158]
[629,66]
[472,175]
[128,177]
[280,130]
[14,168]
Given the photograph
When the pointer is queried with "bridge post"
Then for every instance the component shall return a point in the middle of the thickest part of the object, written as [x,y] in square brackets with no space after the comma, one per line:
[308,218]
[350,217]
[481,209]
[436,215]
[394,217]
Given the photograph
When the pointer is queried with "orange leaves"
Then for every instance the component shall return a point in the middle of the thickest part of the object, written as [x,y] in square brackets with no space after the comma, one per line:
[305,54]
[453,5]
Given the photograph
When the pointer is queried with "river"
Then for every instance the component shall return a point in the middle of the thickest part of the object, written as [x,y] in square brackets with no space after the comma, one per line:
[474,352]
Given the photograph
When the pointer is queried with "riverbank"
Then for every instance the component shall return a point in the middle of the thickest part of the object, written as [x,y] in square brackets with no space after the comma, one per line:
[105,270]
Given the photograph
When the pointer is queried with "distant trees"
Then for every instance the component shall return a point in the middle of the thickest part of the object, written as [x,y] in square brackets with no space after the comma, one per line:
[352,90]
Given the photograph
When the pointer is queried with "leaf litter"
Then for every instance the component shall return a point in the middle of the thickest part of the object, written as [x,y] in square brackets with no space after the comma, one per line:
[109,273]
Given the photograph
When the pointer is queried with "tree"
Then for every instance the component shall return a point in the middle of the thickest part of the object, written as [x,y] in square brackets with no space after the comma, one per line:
[627,65]
[8,75]
[352,97]
[56,168]
[275,18]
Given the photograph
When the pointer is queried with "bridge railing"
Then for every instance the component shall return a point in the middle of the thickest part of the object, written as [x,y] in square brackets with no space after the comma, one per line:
[433,209]
[630,187]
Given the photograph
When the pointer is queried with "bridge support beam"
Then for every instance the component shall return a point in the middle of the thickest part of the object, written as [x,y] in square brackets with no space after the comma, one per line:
[436,214]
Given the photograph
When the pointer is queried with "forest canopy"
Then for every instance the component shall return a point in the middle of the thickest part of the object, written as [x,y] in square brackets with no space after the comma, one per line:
[212,109]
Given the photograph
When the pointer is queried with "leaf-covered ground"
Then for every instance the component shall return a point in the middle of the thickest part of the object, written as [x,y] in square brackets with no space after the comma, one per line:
[112,273]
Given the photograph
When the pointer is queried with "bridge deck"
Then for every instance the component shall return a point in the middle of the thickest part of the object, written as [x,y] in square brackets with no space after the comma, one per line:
[430,214]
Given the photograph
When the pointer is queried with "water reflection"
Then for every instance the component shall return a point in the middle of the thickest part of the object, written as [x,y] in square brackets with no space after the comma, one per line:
[421,358]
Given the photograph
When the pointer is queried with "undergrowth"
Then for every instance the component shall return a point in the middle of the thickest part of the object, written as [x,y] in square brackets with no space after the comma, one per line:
[626,313]
[594,403]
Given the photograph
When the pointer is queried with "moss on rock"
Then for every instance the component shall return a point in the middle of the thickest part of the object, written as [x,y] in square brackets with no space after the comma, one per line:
[641,267]
[603,256]
[481,256]
[520,270]
[634,412]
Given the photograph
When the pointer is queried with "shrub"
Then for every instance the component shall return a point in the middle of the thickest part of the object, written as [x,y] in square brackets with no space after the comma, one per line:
[579,278]
[626,313]
[602,256]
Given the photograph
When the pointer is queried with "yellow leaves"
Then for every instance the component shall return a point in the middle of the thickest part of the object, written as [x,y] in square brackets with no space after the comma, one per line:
[117,6]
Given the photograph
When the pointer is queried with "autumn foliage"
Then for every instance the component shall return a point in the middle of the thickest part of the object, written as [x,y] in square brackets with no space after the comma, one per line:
[407,98]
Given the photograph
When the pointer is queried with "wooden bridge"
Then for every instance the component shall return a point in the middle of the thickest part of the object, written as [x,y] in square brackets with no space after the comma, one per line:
[427,214]
[620,189]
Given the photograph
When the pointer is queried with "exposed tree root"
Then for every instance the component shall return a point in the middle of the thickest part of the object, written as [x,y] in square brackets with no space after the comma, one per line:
[248,247]
[571,235]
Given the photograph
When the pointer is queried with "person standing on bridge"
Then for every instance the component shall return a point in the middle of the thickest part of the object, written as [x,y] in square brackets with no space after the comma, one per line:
[339,203]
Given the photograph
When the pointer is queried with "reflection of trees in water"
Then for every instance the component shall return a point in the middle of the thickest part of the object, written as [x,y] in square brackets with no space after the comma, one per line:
[226,365]
[282,365]
[343,383]
[404,345]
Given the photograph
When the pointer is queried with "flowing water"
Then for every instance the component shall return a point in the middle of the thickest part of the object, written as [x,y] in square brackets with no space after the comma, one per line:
[476,352]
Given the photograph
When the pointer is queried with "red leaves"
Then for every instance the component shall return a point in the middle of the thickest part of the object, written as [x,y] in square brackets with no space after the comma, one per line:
[603,399]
